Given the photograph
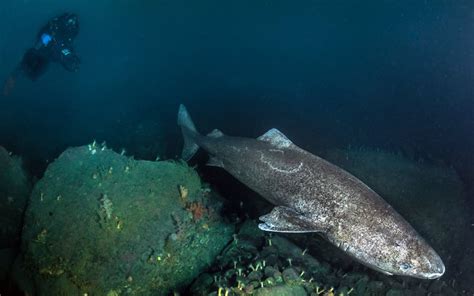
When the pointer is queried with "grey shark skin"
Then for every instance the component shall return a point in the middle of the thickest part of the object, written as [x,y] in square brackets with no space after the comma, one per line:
[313,195]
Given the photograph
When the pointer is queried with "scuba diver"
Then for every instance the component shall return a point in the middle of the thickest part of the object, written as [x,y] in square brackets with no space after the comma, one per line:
[53,44]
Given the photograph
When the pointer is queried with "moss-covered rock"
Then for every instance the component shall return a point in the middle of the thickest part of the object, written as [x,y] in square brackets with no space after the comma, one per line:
[281,291]
[105,224]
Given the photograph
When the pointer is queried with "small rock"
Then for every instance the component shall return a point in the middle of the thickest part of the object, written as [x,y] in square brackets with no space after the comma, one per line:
[271,259]
[376,287]
[394,292]
[278,277]
[255,284]
[255,276]
[290,275]
[281,291]
[270,271]
[249,289]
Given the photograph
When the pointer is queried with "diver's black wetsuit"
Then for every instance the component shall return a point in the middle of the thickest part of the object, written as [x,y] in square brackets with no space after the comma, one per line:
[54,43]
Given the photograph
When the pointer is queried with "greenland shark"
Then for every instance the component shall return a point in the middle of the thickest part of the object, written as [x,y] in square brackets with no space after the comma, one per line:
[312,195]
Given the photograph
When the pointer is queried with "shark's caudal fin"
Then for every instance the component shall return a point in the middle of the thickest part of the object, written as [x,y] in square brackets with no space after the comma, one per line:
[189,133]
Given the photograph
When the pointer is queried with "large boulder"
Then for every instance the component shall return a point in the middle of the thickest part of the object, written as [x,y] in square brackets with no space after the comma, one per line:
[100,223]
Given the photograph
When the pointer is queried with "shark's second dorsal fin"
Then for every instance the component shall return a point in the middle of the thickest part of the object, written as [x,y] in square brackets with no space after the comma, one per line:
[276,138]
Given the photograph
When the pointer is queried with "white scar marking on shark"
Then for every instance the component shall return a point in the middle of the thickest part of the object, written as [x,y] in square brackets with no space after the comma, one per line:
[290,171]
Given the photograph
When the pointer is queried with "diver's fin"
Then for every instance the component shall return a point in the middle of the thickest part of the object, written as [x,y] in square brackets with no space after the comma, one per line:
[9,85]
[214,161]
[276,138]
[284,219]
[215,134]
[189,133]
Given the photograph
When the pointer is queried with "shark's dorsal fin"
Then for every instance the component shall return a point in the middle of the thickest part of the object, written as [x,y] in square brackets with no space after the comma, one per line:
[215,134]
[276,138]
[285,219]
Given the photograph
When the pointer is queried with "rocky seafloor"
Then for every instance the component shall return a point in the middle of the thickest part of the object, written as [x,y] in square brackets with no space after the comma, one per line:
[102,223]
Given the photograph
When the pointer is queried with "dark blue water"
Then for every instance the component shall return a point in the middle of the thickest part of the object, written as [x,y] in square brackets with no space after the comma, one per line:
[395,75]
[384,74]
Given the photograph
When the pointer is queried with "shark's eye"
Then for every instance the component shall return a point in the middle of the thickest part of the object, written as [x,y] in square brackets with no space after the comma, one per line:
[406,266]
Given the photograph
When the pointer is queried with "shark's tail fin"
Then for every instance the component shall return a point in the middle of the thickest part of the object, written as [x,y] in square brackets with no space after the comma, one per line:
[189,133]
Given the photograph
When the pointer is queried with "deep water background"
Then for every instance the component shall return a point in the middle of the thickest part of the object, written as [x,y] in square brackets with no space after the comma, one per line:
[394,75]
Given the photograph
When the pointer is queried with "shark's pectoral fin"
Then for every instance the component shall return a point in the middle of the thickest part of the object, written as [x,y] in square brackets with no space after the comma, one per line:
[284,219]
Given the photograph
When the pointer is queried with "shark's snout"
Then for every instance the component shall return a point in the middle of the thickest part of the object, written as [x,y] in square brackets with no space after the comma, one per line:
[431,266]
[437,268]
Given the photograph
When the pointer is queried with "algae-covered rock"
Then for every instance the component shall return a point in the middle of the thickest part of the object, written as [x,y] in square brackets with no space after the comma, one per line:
[105,224]
[281,291]
[395,292]
[15,189]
